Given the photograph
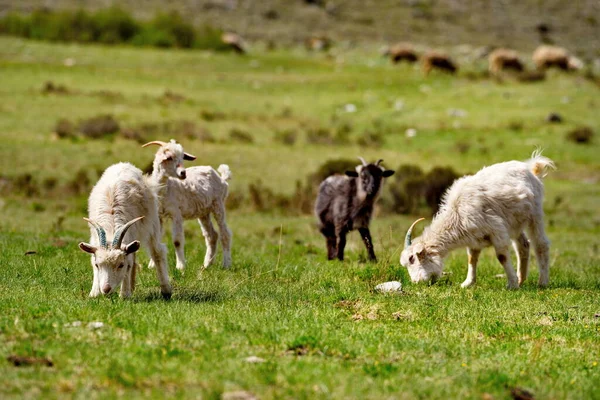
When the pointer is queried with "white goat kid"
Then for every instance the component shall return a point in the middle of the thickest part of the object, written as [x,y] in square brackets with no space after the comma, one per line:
[491,208]
[120,199]
[199,196]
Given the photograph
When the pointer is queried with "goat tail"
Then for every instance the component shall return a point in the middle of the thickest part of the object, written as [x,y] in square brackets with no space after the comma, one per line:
[539,165]
[225,172]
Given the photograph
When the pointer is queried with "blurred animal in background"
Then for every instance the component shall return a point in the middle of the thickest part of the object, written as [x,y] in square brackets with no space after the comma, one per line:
[401,52]
[199,196]
[345,203]
[504,59]
[317,43]
[440,61]
[491,208]
[234,41]
[546,56]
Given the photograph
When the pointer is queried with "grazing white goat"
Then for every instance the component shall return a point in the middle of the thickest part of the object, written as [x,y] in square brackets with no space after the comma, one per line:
[201,194]
[121,198]
[490,208]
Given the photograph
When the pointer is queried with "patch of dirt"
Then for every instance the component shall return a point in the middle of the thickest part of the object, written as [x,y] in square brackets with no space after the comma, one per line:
[20,361]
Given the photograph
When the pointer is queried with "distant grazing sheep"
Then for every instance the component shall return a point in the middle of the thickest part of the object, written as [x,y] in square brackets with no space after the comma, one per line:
[345,203]
[435,60]
[553,56]
[504,59]
[490,208]
[234,41]
[317,43]
[199,196]
[401,52]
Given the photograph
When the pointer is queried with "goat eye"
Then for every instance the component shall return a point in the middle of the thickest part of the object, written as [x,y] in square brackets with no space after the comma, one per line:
[411,259]
[170,158]
[96,265]
[121,266]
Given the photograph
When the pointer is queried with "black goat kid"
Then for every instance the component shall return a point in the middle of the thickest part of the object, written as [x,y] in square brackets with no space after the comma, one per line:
[345,203]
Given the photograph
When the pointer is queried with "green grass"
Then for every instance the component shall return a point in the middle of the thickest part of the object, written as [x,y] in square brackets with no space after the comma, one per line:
[321,329]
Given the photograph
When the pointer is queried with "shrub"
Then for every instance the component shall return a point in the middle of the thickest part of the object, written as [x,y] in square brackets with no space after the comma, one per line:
[581,134]
[436,182]
[286,136]
[370,139]
[407,189]
[97,127]
[64,128]
[112,26]
[241,136]
[319,135]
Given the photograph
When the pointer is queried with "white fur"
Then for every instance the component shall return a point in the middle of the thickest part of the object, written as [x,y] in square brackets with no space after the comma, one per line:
[200,195]
[491,208]
[122,194]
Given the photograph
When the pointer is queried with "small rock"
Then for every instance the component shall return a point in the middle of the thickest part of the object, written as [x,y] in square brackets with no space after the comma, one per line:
[254,360]
[238,395]
[554,117]
[410,132]
[398,105]
[350,108]
[389,287]
[73,324]
[95,325]
[457,112]
[69,62]
[499,276]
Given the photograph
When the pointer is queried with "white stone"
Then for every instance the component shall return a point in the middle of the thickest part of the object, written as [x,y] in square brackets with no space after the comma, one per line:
[95,325]
[254,360]
[389,287]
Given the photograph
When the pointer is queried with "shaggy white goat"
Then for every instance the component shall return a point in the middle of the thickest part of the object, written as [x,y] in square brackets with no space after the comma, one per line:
[201,194]
[490,208]
[120,199]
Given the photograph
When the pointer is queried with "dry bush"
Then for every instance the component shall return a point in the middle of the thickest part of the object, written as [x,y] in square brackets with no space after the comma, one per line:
[437,181]
[64,128]
[240,136]
[371,139]
[287,137]
[99,126]
[581,134]
[406,189]
[52,88]
[319,135]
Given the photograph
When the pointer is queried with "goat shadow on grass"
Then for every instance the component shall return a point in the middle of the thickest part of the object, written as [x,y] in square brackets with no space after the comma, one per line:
[184,295]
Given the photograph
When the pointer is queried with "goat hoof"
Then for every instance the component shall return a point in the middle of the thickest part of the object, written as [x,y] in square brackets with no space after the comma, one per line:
[166,296]
[467,284]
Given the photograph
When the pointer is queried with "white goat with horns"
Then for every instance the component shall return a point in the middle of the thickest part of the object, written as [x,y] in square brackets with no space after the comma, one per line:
[490,208]
[201,194]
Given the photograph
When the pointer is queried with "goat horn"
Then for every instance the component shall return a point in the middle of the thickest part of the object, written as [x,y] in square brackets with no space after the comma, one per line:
[99,230]
[116,243]
[379,162]
[362,160]
[156,142]
[408,239]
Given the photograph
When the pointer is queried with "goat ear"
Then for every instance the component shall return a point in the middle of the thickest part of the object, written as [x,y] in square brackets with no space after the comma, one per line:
[352,174]
[387,172]
[88,248]
[132,247]
[188,157]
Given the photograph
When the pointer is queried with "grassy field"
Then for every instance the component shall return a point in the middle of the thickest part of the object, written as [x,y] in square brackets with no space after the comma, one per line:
[319,326]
